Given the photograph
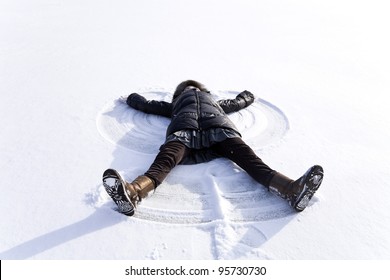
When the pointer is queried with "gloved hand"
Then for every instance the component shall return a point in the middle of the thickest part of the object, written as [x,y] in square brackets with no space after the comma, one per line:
[136,101]
[247,96]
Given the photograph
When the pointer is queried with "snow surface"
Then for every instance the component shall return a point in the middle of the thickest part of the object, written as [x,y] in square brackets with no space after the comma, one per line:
[320,74]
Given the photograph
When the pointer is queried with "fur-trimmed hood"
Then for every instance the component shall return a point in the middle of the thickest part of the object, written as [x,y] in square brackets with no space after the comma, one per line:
[189,83]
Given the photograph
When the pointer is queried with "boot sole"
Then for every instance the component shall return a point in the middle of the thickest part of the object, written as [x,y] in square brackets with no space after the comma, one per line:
[114,185]
[311,182]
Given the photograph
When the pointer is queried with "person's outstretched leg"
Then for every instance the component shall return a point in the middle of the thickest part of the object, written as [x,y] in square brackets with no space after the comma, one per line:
[127,195]
[240,153]
[170,155]
[297,192]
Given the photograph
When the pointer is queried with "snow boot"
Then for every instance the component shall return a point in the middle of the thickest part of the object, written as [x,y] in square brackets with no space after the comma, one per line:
[126,195]
[298,193]
[139,188]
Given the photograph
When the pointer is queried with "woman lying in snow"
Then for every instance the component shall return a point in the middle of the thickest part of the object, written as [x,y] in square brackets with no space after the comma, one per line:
[200,131]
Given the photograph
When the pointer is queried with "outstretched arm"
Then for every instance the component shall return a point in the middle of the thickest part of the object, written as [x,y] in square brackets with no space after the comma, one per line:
[154,107]
[243,100]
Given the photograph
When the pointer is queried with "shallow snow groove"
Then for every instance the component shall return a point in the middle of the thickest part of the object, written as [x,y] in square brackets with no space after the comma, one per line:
[202,193]
[206,198]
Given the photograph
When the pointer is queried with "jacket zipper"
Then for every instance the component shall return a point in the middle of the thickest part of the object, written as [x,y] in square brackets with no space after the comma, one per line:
[198,110]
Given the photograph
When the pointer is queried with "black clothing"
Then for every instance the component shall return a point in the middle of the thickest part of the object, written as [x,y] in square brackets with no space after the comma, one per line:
[200,130]
[200,139]
[154,107]
[235,149]
[195,110]
[198,121]
[241,154]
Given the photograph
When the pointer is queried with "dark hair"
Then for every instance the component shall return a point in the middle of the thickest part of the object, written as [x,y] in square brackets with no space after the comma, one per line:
[181,87]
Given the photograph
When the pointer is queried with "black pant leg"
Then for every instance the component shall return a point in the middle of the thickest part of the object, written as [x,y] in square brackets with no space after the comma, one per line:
[240,153]
[170,155]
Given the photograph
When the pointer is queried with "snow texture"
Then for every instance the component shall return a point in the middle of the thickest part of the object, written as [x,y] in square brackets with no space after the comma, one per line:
[320,75]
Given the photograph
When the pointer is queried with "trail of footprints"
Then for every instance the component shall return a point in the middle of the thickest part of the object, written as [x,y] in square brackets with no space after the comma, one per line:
[216,190]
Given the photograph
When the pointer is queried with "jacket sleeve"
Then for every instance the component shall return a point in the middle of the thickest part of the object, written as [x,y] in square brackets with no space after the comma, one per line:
[243,100]
[154,107]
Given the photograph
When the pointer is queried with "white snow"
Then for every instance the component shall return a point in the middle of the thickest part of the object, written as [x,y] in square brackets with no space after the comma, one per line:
[320,74]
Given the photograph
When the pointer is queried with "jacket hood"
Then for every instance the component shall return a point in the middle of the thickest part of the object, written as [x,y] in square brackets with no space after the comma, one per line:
[189,83]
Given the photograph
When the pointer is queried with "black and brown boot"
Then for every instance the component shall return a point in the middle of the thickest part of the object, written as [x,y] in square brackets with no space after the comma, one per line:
[139,189]
[126,195]
[299,192]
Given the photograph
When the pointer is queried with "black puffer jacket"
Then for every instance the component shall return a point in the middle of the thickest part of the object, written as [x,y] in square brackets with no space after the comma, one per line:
[193,109]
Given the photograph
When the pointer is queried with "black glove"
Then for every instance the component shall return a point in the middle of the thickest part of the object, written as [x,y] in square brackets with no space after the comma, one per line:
[247,96]
[136,101]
